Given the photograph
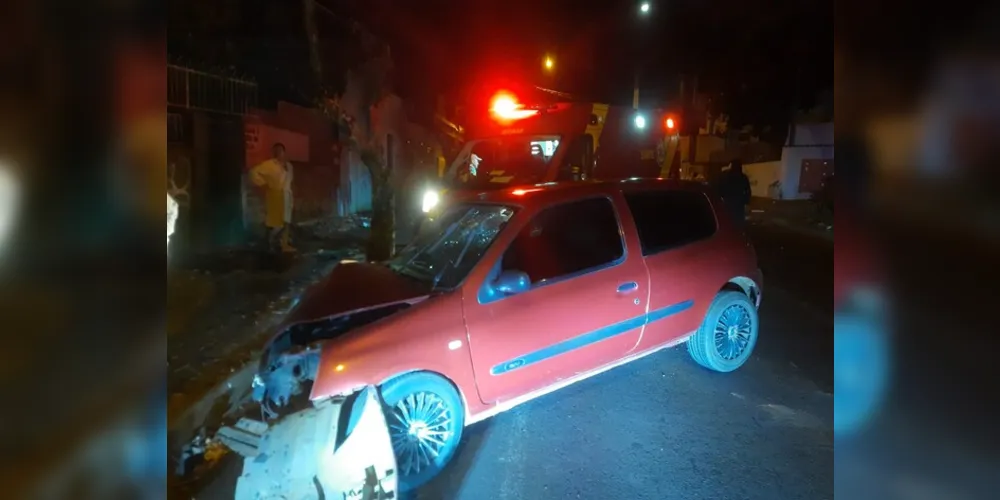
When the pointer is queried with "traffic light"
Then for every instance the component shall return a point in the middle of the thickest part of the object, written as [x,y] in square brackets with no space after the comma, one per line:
[671,123]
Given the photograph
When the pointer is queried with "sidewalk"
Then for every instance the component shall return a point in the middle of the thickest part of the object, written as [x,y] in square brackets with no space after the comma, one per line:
[799,216]
[220,312]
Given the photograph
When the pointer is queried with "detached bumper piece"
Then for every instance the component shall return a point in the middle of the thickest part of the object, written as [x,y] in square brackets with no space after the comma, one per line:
[244,438]
[297,458]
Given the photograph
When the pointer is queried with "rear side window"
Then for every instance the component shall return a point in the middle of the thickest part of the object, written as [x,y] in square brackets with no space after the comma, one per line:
[670,219]
[566,239]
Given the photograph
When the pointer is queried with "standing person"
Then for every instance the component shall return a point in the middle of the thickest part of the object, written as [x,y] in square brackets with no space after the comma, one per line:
[734,187]
[275,176]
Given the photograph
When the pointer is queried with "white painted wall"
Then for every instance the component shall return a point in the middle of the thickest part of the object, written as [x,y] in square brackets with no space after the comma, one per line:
[791,166]
[355,192]
[813,141]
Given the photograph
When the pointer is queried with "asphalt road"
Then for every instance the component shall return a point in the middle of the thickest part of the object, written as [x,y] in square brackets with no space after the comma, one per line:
[664,428]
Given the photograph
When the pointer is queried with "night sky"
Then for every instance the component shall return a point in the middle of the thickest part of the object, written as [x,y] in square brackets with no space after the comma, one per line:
[749,54]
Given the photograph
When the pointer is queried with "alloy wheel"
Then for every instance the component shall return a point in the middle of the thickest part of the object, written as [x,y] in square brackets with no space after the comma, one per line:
[732,332]
[421,426]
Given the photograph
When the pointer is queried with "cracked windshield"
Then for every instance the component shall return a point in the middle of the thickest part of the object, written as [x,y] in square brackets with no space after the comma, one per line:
[504,161]
[448,248]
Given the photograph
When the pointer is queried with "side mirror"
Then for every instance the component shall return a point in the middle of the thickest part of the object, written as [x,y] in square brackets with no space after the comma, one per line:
[512,282]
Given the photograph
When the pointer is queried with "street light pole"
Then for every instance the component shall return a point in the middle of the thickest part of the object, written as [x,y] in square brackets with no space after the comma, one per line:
[635,89]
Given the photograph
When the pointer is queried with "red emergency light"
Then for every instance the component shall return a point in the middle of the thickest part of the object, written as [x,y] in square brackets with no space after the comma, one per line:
[670,123]
[506,107]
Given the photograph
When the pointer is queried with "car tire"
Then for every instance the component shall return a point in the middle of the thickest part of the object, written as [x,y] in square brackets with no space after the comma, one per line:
[418,398]
[726,338]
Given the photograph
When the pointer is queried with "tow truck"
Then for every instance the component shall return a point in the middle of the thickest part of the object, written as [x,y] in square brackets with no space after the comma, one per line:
[523,144]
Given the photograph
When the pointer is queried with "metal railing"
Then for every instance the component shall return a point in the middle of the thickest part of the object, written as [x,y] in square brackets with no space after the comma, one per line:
[193,89]
[175,128]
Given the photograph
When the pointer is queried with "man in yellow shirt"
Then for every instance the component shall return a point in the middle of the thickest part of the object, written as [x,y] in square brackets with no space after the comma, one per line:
[275,176]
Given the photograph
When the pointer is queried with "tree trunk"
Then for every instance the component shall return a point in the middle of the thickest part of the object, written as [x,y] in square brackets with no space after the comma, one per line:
[382,240]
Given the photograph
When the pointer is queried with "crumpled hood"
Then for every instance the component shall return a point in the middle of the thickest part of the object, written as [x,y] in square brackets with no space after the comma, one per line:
[354,294]
[353,286]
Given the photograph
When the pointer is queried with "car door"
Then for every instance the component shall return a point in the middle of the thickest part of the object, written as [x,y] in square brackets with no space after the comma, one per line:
[676,229]
[582,303]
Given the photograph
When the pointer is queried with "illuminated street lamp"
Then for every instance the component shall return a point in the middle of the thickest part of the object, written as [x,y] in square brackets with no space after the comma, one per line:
[549,63]
[644,7]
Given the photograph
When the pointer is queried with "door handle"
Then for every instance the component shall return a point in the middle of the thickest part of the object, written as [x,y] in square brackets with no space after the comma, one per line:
[631,286]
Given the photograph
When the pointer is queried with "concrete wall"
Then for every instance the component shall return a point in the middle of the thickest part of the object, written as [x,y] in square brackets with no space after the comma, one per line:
[812,141]
[706,146]
[765,178]
[260,137]
[324,143]
[312,147]
[791,161]
[355,191]
[414,155]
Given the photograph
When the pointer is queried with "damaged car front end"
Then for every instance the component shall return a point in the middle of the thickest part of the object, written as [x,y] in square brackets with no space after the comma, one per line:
[353,295]
[356,339]
[338,445]
[290,363]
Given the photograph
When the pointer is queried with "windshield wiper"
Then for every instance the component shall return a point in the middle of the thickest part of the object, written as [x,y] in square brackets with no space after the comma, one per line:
[440,240]
[440,274]
[468,242]
[407,272]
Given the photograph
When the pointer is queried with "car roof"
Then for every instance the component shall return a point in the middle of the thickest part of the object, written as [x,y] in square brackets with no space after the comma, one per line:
[555,192]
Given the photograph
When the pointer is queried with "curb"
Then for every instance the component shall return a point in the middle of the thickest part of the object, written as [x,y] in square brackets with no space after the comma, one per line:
[228,385]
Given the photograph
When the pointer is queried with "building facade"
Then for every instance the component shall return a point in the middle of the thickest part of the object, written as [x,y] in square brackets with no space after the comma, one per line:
[807,161]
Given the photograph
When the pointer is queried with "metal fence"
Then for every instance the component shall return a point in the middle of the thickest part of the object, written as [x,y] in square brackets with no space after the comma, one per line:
[176,129]
[193,89]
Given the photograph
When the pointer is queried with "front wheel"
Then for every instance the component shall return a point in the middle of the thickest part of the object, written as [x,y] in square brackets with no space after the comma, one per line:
[426,418]
[726,338]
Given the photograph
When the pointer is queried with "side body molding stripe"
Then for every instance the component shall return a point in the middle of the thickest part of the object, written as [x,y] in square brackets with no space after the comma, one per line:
[589,338]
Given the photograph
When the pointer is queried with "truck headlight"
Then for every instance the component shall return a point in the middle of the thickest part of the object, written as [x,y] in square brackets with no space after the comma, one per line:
[172,209]
[9,201]
[431,199]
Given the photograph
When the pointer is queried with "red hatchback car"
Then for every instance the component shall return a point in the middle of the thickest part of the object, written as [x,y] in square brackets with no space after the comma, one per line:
[512,294]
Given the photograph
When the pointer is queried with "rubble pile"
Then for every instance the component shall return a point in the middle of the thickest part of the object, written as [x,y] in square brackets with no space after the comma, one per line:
[332,227]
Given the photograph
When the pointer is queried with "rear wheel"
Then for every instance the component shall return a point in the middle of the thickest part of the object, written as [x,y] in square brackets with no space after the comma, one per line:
[728,334]
[426,417]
